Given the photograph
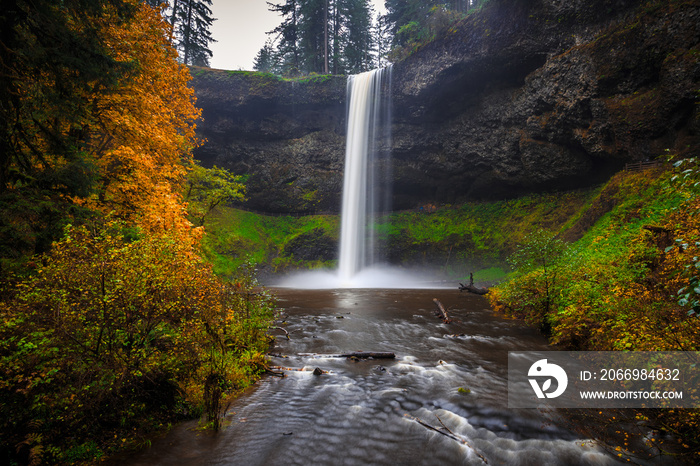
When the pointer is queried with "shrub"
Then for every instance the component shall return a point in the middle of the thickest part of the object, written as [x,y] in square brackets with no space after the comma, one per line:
[111,333]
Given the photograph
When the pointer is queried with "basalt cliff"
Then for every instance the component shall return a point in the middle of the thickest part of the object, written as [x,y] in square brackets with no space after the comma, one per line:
[522,96]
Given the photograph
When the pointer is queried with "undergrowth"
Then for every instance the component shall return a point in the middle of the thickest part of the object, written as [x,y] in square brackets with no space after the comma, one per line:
[477,236]
[628,283]
[614,293]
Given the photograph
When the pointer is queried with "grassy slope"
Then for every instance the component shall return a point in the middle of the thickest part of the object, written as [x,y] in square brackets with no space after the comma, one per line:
[235,237]
[478,236]
[618,292]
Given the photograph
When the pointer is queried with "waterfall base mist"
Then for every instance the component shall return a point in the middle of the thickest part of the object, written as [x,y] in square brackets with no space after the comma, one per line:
[377,276]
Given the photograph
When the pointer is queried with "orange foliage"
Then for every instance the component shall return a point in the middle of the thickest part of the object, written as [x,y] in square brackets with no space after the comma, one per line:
[146,129]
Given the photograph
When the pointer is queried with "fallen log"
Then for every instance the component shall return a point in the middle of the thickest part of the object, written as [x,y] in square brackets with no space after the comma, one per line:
[355,354]
[471,288]
[447,433]
[441,312]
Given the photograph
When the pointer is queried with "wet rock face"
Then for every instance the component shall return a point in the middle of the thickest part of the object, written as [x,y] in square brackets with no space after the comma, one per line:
[560,95]
[287,136]
[526,95]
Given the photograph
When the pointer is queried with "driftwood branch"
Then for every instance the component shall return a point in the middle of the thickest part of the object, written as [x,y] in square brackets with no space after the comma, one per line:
[284,330]
[447,433]
[355,354]
[441,312]
[471,288]
[316,371]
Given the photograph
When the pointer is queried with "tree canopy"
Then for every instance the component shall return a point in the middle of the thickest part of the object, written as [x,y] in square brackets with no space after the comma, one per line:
[320,36]
[192,20]
[343,37]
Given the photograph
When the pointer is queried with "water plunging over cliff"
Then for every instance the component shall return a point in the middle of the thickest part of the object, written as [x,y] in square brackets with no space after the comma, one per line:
[366,172]
[367,192]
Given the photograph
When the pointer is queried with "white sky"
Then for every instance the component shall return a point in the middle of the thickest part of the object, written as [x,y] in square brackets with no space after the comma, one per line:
[240,31]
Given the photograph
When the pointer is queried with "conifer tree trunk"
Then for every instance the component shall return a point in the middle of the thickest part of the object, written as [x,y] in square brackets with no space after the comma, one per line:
[336,37]
[325,37]
[172,20]
[295,21]
[188,34]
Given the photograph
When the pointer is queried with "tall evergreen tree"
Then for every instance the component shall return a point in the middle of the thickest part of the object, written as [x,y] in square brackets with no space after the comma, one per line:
[336,23]
[173,17]
[382,40]
[312,35]
[359,40]
[287,36]
[193,21]
[409,19]
[266,59]
[51,58]
[404,13]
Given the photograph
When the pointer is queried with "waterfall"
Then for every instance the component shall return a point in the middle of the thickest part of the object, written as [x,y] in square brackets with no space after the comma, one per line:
[367,192]
[366,182]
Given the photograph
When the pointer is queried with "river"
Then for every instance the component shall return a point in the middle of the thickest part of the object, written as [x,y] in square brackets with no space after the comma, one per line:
[366,412]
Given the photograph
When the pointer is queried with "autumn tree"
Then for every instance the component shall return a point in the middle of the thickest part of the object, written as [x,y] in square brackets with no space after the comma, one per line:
[96,115]
[144,133]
